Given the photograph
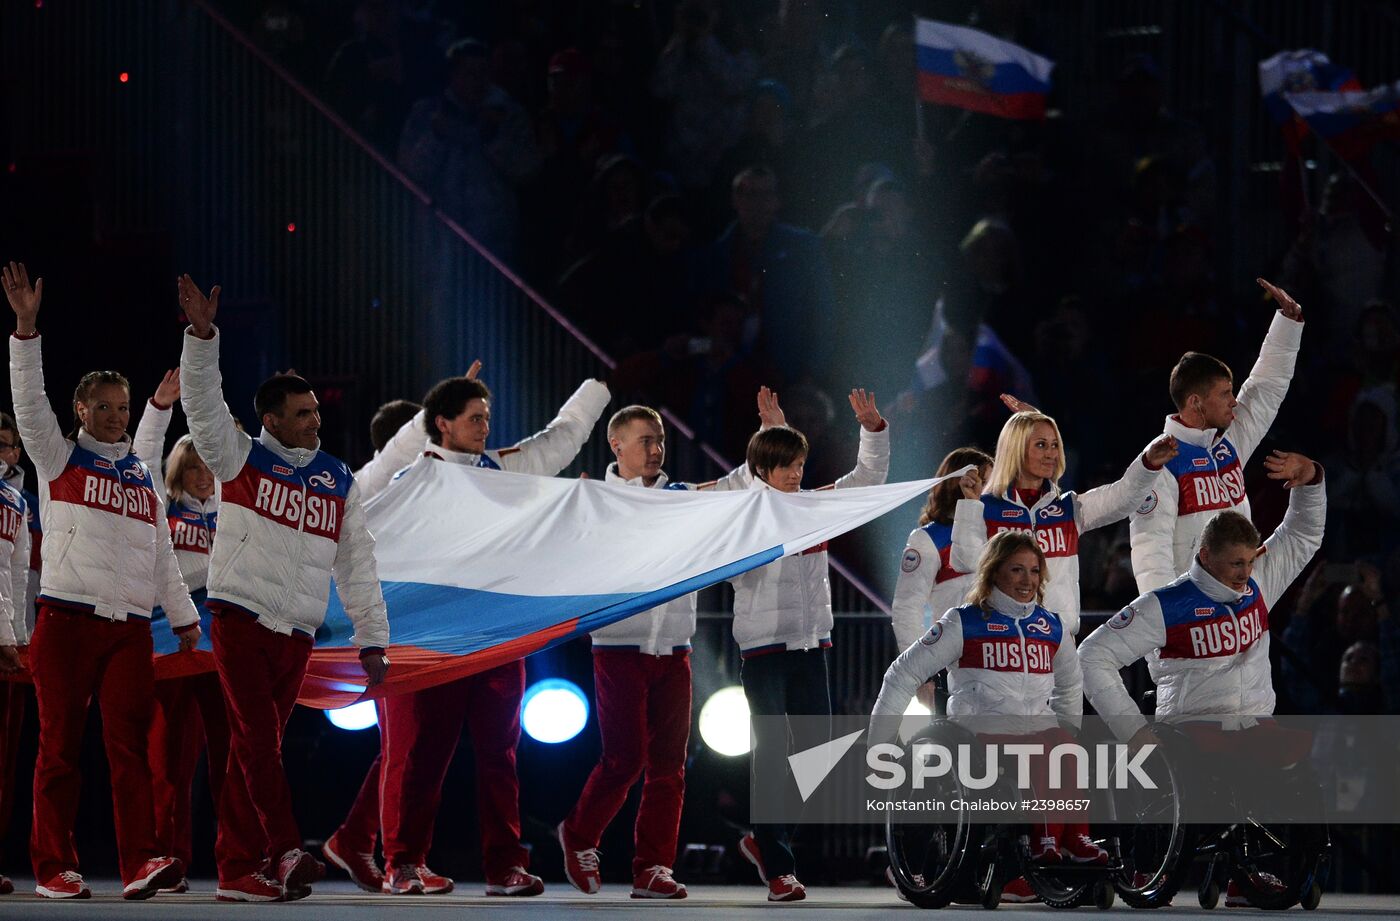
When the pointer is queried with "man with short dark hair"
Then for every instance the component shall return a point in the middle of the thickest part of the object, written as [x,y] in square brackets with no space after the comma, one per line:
[1206,635]
[424,726]
[1216,434]
[388,419]
[290,519]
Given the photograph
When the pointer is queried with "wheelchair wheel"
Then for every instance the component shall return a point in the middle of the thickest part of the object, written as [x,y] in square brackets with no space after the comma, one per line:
[1156,850]
[1277,867]
[1313,897]
[1104,895]
[929,862]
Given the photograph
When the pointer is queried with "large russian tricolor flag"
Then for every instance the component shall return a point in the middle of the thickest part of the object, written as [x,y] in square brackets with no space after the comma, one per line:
[1351,121]
[972,70]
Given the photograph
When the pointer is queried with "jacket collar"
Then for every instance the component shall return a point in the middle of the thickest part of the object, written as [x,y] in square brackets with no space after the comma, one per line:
[112,450]
[1003,603]
[1201,438]
[1214,589]
[206,507]
[1049,492]
[464,458]
[297,457]
[612,476]
[12,475]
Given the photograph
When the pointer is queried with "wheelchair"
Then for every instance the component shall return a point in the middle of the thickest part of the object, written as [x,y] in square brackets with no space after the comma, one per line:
[1275,867]
[952,859]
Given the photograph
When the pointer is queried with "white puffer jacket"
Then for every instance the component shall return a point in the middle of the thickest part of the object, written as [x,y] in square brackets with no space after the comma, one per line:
[1207,645]
[786,605]
[193,523]
[290,519]
[14,563]
[666,629]
[108,548]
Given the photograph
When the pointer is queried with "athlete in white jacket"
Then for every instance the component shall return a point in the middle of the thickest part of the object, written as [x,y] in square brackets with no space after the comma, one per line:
[1206,635]
[1217,434]
[424,726]
[108,565]
[782,623]
[1024,494]
[641,679]
[290,518]
[14,695]
[190,714]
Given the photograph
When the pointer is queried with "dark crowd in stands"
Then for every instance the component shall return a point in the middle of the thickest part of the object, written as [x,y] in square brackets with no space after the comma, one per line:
[729,194]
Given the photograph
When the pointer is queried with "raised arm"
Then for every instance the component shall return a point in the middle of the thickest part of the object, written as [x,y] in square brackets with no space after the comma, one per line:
[1152,530]
[217,440]
[873,457]
[149,443]
[918,571]
[357,577]
[399,451]
[937,649]
[43,440]
[1126,637]
[1106,504]
[1299,535]
[552,449]
[1263,392]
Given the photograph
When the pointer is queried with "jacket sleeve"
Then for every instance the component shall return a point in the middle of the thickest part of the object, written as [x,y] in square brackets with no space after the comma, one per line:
[551,450]
[219,442]
[1103,505]
[149,443]
[1127,636]
[1067,700]
[738,478]
[872,460]
[918,570]
[969,535]
[38,427]
[19,585]
[357,577]
[1152,531]
[937,649]
[171,592]
[11,599]
[1263,392]
[1294,541]
[400,451]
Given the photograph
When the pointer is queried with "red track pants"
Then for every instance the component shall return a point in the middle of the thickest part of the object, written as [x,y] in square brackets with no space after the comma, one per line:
[14,698]
[644,719]
[189,712]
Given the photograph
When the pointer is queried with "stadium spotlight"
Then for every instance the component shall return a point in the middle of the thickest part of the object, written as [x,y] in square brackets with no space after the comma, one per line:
[354,717]
[554,710]
[724,721]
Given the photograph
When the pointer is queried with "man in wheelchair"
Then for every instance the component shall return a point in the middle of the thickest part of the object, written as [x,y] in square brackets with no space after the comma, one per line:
[1205,636]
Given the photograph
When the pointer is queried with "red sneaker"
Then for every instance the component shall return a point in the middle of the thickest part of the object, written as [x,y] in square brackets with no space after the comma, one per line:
[581,865]
[786,889]
[401,881]
[297,870]
[1019,891]
[6,887]
[66,885]
[255,887]
[656,883]
[179,888]
[1236,899]
[516,882]
[1045,851]
[359,865]
[153,875]
[748,846]
[1082,849]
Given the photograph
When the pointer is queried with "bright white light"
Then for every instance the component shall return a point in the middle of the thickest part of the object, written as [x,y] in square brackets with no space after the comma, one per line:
[554,711]
[915,708]
[724,721]
[354,717]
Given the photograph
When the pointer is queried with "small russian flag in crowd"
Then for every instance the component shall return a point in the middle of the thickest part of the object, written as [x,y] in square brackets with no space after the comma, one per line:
[1300,71]
[972,70]
[1351,121]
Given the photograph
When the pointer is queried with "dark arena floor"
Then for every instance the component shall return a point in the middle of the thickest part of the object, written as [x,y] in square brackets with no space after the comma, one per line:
[340,901]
